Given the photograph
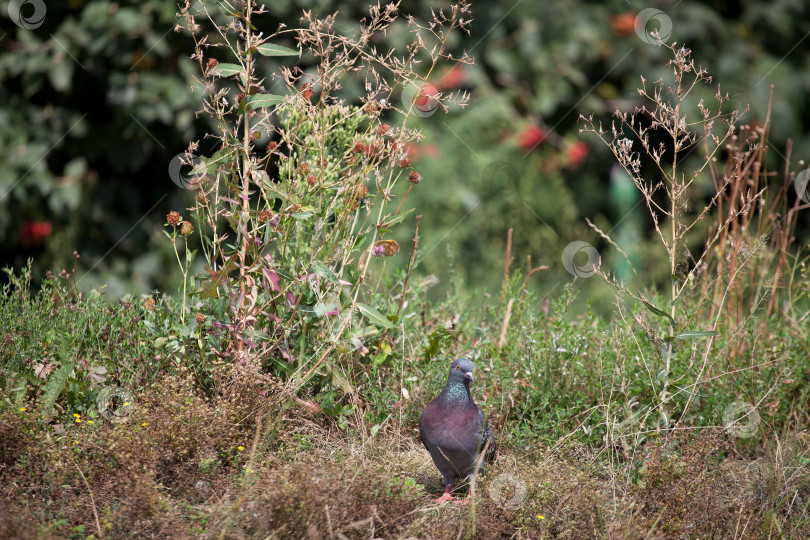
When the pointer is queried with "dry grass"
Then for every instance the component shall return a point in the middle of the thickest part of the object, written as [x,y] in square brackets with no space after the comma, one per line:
[183,475]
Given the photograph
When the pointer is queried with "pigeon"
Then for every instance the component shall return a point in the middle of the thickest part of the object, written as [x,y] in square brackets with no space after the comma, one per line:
[454,431]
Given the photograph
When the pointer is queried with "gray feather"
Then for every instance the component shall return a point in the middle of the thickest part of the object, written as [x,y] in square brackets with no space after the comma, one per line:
[453,428]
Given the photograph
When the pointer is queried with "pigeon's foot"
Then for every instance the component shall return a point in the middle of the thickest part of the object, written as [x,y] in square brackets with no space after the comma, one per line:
[445,498]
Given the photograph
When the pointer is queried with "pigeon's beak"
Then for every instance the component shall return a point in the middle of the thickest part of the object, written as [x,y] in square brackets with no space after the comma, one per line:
[469,375]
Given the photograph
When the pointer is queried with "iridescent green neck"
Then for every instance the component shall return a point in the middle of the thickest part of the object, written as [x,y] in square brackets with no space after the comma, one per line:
[456,392]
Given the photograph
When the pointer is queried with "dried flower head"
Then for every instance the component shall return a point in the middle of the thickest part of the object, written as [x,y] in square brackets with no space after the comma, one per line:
[359,193]
[306,91]
[389,247]
[173,218]
[212,63]
[373,150]
[186,228]
[383,130]
[359,147]
[404,162]
[271,146]
[200,318]
[414,177]
[372,108]
[312,179]
[265,215]
[149,305]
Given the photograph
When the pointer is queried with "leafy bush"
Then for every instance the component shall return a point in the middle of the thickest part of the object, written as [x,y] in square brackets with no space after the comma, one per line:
[294,233]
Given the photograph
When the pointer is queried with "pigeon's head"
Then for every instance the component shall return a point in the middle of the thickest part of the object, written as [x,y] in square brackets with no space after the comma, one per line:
[462,371]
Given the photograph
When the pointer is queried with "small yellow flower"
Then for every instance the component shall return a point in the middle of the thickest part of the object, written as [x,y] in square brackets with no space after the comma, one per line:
[126,404]
[23,409]
[77,415]
[540,516]
[144,424]
[75,442]
[240,448]
[89,421]
[78,420]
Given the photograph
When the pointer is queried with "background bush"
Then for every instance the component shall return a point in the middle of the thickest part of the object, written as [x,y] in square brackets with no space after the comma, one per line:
[96,103]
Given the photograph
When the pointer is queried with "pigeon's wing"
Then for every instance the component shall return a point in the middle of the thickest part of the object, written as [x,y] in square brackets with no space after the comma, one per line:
[488,443]
[422,434]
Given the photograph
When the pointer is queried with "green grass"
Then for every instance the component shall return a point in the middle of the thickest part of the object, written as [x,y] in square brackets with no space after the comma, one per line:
[279,396]
[556,391]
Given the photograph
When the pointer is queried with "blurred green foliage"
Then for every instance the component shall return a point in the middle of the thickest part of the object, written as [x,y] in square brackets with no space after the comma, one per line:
[97,100]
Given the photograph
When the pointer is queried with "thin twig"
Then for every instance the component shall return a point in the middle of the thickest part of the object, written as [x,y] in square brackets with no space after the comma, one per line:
[90,491]
[508,261]
[505,324]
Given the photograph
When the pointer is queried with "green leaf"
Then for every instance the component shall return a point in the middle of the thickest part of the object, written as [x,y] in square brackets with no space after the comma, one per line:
[323,271]
[692,334]
[320,309]
[226,70]
[339,379]
[397,219]
[54,387]
[61,75]
[259,101]
[383,353]
[18,391]
[301,215]
[215,278]
[374,316]
[227,9]
[210,164]
[658,311]
[271,49]
[358,245]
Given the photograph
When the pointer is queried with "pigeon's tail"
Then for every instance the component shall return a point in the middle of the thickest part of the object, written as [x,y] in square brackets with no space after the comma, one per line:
[488,445]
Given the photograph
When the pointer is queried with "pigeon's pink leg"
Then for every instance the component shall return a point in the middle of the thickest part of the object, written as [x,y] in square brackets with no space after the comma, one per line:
[447,496]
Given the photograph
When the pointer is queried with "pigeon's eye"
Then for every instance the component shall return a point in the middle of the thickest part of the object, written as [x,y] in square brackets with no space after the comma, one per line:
[458,368]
